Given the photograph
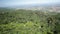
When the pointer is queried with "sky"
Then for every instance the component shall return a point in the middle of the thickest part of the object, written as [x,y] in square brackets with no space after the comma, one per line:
[5,3]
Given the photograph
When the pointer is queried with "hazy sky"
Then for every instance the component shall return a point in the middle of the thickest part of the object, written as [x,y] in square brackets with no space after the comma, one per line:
[25,2]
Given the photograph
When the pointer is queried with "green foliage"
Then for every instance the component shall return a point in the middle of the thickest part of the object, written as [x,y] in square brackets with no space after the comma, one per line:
[28,22]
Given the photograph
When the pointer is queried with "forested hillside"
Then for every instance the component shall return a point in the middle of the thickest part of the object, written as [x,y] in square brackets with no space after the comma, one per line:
[29,22]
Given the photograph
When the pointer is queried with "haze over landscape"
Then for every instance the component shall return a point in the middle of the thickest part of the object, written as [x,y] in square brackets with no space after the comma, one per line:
[28,3]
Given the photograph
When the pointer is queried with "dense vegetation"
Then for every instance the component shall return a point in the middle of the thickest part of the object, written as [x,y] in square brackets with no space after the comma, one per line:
[29,22]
